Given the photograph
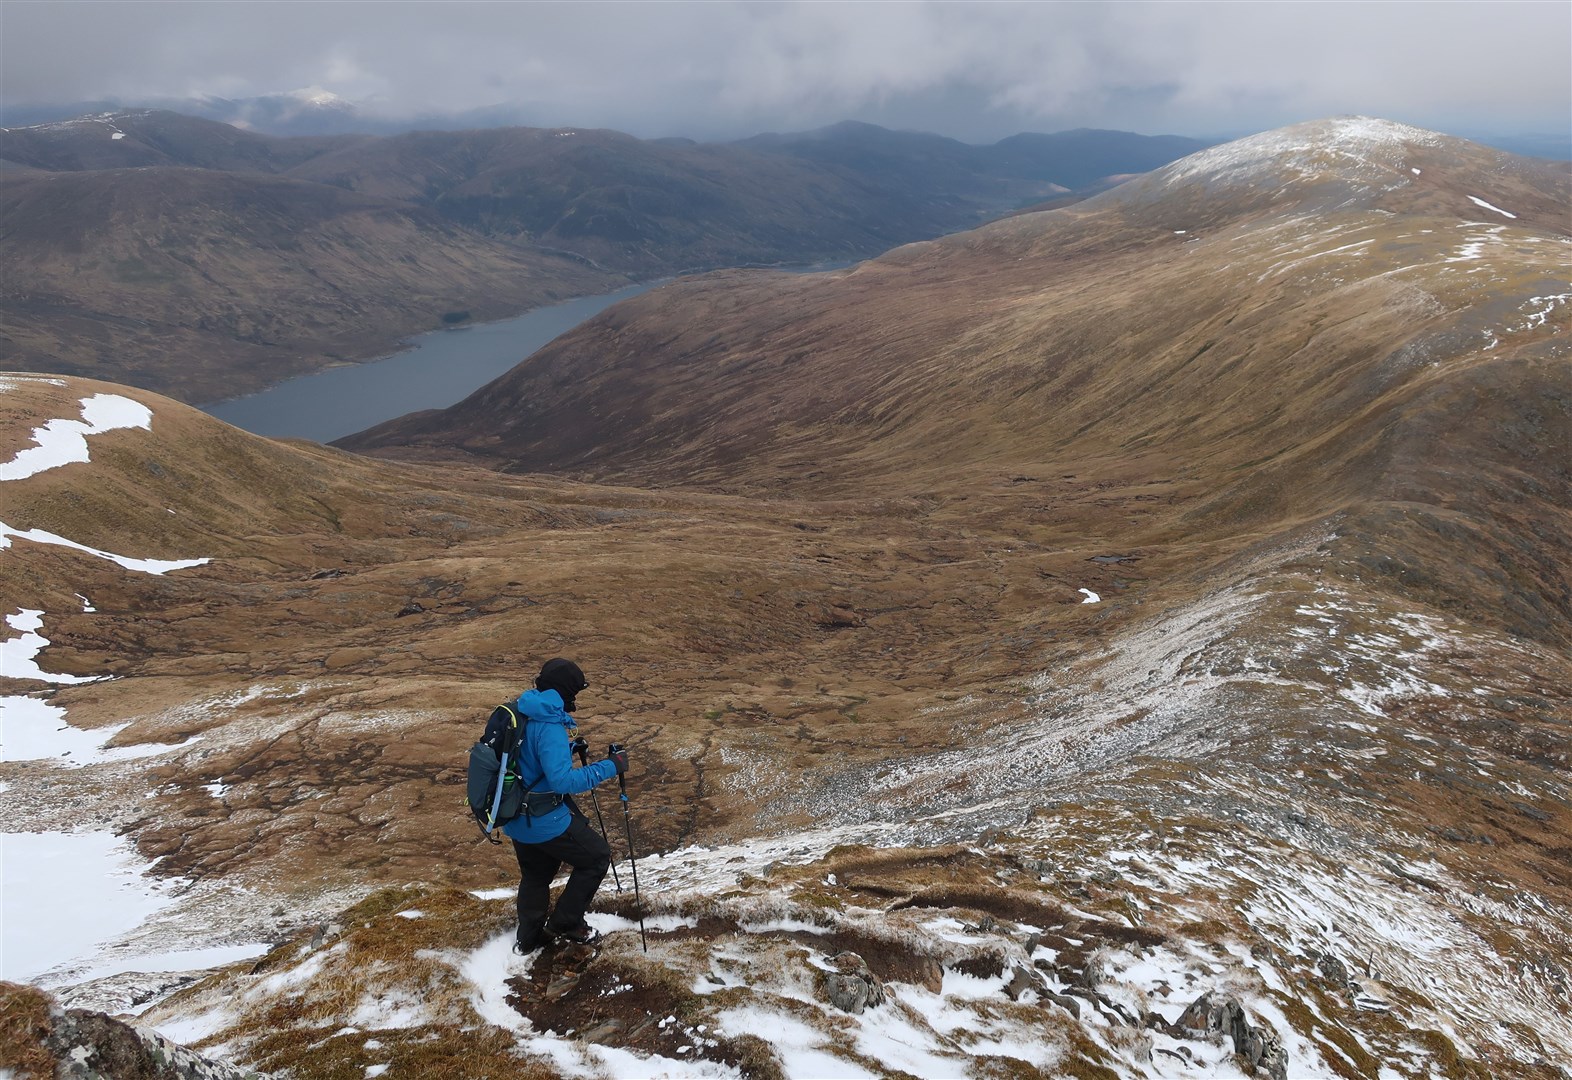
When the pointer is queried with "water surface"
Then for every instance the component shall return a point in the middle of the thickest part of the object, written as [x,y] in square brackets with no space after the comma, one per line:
[436,370]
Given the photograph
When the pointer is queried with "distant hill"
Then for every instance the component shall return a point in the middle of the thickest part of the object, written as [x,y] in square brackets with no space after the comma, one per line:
[646,208]
[147,137]
[1069,160]
[203,284]
[499,220]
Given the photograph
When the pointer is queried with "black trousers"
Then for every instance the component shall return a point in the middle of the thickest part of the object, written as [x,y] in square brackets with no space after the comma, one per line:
[582,848]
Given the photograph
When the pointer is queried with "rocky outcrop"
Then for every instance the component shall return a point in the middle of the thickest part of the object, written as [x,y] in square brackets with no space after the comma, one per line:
[1260,1048]
[81,1044]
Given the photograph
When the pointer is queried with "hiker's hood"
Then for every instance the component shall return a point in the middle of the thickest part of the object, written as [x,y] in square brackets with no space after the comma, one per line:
[544,707]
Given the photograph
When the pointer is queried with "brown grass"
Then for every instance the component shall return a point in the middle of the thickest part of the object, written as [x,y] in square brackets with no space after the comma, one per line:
[24,1025]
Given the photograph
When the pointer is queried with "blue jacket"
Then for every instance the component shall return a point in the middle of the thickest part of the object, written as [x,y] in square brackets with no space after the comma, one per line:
[546,764]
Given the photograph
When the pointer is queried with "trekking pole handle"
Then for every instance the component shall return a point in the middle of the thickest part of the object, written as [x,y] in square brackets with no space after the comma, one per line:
[622,781]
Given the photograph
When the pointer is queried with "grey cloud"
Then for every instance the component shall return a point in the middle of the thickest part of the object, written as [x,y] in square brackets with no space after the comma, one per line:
[971,69]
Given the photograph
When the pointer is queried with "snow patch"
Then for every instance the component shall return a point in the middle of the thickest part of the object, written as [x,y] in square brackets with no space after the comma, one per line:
[191,1030]
[179,960]
[1091,597]
[61,442]
[1480,202]
[801,1048]
[66,894]
[1376,145]
[487,970]
[389,1011]
[142,566]
[18,655]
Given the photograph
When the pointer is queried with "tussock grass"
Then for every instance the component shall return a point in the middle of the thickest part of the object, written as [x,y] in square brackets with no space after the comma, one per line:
[24,1025]
[436,1052]
[289,1005]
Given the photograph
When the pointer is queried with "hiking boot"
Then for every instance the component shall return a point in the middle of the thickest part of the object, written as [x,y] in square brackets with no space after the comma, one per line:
[583,934]
[521,949]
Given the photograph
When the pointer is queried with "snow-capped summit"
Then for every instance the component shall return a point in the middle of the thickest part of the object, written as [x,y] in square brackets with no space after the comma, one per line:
[1341,163]
[1359,141]
[315,95]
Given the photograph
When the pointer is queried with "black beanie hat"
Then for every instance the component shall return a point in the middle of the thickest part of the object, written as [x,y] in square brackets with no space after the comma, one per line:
[564,677]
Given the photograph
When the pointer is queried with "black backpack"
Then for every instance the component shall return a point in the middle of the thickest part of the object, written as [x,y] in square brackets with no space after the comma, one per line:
[495,788]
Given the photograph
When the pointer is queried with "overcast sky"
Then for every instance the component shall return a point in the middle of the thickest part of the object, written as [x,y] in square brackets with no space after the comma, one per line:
[976,71]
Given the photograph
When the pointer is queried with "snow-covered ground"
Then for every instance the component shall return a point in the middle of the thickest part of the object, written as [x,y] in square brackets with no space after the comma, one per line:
[66,895]
[74,898]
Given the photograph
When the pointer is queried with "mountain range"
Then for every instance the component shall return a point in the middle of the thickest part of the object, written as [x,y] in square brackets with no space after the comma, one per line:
[1124,640]
[313,110]
[204,261]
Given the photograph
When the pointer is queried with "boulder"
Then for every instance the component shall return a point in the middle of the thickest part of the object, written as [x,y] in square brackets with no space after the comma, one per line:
[1332,970]
[88,1045]
[1064,1001]
[1260,1048]
[851,987]
[1021,981]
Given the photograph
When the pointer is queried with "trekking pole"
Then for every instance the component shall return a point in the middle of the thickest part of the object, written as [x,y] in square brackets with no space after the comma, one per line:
[638,904]
[583,751]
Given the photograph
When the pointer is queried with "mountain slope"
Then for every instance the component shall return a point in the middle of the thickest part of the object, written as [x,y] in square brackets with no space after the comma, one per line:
[638,206]
[1286,323]
[1168,619]
[144,137]
[206,284]
[495,221]
[1070,160]
[1246,769]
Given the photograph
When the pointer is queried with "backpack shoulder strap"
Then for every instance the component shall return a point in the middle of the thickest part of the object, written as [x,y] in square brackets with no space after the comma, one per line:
[504,731]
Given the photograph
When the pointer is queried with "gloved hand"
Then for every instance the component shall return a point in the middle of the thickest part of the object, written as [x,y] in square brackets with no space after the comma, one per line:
[579,748]
[618,757]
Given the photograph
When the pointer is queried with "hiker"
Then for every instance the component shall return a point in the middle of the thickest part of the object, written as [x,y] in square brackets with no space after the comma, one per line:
[554,831]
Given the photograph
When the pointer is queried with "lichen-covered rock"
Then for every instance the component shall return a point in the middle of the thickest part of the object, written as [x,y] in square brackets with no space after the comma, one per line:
[1273,1061]
[1333,970]
[851,987]
[87,1045]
